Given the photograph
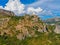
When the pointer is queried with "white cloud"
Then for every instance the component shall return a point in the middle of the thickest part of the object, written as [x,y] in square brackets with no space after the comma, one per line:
[15,6]
[18,8]
[32,10]
[47,12]
[1,7]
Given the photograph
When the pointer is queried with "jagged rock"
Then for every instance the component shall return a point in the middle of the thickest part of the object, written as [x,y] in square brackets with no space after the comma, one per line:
[28,25]
[4,22]
[6,12]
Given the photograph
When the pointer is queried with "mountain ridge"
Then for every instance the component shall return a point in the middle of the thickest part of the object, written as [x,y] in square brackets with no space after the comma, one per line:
[6,12]
[55,20]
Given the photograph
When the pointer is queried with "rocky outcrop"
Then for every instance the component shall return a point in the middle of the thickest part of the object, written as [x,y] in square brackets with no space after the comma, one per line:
[57,29]
[3,22]
[6,12]
[21,26]
[29,25]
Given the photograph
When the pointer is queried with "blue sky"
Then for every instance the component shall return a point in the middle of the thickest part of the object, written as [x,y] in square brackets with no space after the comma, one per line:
[51,8]
[3,2]
[27,1]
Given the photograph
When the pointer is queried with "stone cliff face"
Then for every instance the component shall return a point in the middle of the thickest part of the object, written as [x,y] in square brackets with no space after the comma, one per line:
[5,12]
[57,29]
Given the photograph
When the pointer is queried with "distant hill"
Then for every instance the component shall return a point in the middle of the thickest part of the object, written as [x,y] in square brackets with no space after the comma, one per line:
[56,22]
[53,20]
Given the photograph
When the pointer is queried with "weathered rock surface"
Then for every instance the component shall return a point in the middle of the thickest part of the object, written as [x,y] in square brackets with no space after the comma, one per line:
[6,12]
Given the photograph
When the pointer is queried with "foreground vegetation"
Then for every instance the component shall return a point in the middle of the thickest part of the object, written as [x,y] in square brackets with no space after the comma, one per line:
[42,39]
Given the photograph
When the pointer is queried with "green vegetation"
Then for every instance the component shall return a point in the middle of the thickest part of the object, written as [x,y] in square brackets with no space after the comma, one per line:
[42,39]
[51,28]
[7,40]
[28,25]
[15,20]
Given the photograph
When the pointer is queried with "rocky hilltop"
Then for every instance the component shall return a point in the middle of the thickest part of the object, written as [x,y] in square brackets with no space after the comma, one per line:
[20,26]
[26,30]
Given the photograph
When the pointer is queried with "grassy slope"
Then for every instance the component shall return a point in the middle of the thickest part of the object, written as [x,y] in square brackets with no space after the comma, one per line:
[42,39]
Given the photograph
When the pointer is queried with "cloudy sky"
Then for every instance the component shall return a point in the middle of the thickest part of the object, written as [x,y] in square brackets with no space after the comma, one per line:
[43,8]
